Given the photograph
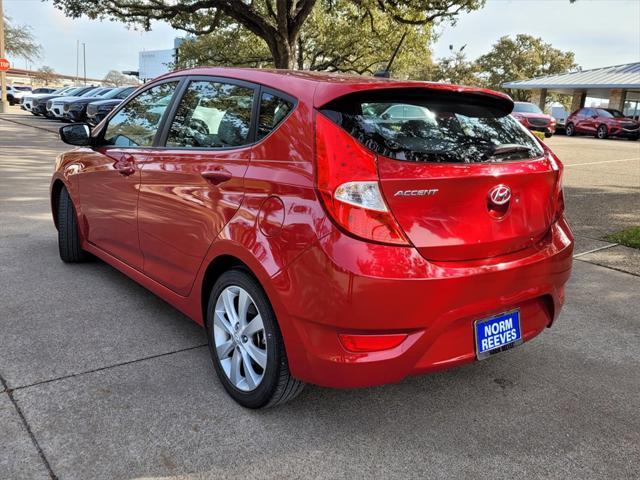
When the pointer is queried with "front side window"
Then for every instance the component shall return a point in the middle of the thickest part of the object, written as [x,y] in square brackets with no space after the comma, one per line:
[419,126]
[212,115]
[136,124]
[273,110]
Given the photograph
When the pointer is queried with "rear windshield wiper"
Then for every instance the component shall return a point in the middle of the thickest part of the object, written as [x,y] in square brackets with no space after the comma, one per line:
[507,149]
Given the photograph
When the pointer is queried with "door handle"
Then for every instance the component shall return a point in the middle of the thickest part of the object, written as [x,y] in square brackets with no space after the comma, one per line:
[217,176]
[125,165]
[127,170]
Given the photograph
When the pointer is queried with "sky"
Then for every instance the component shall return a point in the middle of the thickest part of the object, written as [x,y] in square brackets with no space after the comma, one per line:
[599,32]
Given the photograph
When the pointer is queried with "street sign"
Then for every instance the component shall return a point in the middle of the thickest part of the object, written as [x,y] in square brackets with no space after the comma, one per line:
[4,65]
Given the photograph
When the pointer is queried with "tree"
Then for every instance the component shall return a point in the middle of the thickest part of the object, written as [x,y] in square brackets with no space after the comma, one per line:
[342,38]
[46,74]
[522,58]
[454,69]
[20,42]
[278,23]
[117,79]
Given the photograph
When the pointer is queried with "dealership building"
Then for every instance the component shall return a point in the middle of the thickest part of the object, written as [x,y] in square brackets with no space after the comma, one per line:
[619,84]
[153,63]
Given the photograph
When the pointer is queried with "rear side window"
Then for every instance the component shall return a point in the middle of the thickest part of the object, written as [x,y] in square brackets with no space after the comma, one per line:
[212,114]
[273,110]
[428,126]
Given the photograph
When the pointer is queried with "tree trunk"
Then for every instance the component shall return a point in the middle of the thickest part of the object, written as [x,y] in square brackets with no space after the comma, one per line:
[283,52]
[300,54]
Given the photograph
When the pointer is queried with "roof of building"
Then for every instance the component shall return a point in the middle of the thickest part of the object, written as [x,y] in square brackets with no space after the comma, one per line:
[625,76]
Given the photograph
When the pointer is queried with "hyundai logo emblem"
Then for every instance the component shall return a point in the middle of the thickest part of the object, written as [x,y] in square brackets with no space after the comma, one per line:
[500,195]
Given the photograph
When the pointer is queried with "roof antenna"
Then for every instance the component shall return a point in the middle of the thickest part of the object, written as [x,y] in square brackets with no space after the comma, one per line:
[386,73]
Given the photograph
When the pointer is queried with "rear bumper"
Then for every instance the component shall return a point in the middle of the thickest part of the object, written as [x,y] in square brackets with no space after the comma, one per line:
[342,285]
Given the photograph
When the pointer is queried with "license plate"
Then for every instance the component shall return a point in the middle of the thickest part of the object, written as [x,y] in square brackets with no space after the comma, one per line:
[497,334]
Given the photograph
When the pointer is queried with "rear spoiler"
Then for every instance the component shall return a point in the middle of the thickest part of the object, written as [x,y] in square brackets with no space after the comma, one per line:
[468,101]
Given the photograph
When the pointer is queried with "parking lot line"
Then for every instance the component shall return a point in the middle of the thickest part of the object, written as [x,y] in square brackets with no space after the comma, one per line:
[595,250]
[603,161]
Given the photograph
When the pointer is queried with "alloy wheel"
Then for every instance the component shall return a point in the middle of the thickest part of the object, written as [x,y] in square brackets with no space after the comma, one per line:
[602,132]
[239,337]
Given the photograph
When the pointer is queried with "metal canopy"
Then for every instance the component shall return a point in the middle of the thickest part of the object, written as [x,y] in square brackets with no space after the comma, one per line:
[596,83]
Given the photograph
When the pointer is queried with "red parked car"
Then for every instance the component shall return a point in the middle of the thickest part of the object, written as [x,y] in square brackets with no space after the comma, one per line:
[319,233]
[533,118]
[603,123]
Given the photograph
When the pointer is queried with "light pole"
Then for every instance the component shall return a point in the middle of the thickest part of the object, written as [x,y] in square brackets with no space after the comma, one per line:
[77,60]
[84,61]
[4,105]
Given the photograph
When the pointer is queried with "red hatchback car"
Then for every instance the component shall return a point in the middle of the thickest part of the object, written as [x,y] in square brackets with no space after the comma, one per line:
[603,123]
[533,118]
[340,230]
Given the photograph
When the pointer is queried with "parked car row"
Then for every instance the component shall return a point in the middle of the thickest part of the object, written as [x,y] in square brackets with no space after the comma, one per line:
[15,93]
[71,104]
[601,122]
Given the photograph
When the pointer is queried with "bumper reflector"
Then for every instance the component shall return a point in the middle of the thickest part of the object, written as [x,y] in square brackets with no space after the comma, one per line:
[371,343]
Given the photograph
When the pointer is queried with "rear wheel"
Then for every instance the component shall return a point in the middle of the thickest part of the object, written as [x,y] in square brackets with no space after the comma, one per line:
[570,130]
[602,132]
[246,344]
[68,235]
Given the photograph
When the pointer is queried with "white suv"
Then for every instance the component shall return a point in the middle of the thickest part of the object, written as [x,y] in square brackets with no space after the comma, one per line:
[15,93]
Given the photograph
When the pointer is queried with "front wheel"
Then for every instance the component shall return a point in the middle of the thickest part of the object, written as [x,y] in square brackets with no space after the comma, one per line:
[246,345]
[68,235]
[602,132]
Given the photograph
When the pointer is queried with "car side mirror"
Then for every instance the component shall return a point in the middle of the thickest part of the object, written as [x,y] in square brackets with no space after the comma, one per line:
[78,134]
[594,116]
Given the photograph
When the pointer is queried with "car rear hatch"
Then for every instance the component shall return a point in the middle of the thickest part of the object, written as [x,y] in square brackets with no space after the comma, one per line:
[462,178]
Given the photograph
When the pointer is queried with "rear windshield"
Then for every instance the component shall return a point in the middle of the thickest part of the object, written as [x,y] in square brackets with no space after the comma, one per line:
[424,126]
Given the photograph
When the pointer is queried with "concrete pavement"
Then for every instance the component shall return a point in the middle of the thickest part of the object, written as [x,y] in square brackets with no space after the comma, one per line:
[103,380]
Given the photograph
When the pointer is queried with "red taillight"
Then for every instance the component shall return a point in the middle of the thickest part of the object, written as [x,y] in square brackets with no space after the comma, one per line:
[371,343]
[347,179]
[558,195]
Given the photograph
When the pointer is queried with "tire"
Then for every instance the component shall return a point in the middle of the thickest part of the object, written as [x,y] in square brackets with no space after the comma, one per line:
[68,236]
[570,130]
[548,134]
[602,132]
[252,386]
